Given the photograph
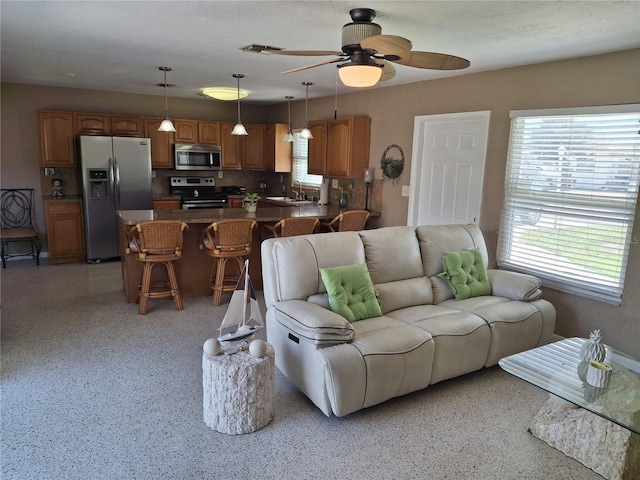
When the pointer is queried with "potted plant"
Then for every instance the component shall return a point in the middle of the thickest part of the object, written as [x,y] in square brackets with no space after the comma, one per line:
[250,202]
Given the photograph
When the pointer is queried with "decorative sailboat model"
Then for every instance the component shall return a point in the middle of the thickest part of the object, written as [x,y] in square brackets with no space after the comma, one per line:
[243,318]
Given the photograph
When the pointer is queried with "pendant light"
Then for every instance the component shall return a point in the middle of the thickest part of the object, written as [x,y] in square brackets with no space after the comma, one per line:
[289,136]
[305,132]
[166,125]
[239,128]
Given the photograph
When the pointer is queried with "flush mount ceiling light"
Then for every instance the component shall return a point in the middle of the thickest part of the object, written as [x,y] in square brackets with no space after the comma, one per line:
[166,125]
[239,128]
[224,93]
[289,136]
[305,132]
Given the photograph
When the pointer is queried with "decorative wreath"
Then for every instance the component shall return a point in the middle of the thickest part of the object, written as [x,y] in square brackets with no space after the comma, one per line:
[392,167]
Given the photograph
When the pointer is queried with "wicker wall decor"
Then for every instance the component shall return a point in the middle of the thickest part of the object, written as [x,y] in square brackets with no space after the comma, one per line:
[392,167]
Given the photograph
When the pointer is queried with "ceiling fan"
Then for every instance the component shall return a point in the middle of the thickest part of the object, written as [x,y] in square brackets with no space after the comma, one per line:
[366,54]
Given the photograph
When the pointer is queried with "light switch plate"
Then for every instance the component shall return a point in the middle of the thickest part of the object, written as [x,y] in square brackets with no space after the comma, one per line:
[405,190]
[334,183]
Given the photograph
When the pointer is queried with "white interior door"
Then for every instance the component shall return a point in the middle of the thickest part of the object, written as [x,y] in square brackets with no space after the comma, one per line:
[447,169]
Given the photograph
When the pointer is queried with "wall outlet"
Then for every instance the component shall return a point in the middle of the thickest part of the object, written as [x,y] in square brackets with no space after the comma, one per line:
[334,183]
[220,174]
[405,190]
[49,172]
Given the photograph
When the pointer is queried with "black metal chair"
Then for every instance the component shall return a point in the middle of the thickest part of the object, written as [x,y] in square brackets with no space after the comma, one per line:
[16,205]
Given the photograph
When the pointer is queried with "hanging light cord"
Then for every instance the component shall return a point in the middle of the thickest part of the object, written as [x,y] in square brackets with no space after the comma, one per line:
[238,77]
[306,106]
[166,104]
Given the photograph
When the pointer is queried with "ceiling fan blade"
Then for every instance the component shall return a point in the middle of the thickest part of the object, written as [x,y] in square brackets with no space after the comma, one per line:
[302,53]
[433,61]
[386,44]
[326,62]
[388,72]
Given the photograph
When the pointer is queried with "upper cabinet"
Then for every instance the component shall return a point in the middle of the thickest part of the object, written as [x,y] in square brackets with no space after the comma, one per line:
[127,126]
[56,139]
[343,150]
[209,133]
[317,147]
[92,124]
[161,143]
[242,151]
[277,151]
[186,131]
[192,131]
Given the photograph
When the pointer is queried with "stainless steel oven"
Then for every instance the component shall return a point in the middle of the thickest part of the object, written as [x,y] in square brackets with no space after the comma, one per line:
[197,192]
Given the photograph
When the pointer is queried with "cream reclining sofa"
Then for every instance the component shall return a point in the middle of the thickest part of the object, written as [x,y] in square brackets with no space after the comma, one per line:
[424,335]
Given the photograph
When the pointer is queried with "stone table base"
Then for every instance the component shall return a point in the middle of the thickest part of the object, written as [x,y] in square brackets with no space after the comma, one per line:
[238,391]
[603,446]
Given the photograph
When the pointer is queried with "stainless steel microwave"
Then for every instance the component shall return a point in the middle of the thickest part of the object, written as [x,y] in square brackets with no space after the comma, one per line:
[197,157]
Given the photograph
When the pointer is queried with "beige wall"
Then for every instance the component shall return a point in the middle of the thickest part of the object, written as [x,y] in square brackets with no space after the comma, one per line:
[600,80]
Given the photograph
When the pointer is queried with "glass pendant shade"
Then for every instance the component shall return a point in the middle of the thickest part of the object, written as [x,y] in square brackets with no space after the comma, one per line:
[166,125]
[239,128]
[306,133]
[359,76]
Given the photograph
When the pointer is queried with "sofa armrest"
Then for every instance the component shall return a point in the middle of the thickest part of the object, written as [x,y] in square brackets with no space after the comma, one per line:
[513,285]
[313,322]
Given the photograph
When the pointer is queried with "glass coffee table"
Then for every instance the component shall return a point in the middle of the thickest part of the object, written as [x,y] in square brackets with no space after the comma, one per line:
[600,427]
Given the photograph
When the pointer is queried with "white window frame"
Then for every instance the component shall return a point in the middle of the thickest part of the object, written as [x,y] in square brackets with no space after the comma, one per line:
[571,188]
[301,162]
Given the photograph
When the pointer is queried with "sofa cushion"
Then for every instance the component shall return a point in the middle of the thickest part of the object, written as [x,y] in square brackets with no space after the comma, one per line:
[392,253]
[466,273]
[404,293]
[351,292]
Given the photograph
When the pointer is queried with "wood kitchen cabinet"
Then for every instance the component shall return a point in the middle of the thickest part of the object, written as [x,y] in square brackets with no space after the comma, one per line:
[92,124]
[235,201]
[126,126]
[161,143]
[65,231]
[242,151]
[186,131]
[167,204]
[56,139]
[317,152]
[209,133]
[277,151]
[343,149]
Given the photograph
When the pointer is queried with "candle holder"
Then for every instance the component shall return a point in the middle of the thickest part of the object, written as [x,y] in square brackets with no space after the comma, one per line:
[368,177]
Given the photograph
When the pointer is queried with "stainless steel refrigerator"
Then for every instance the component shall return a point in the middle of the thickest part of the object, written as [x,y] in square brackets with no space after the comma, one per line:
[116,175]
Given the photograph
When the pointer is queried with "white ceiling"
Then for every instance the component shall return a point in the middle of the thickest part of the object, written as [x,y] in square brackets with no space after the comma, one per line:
[119,45]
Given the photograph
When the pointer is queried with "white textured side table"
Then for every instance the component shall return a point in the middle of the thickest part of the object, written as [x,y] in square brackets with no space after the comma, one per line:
[238,391]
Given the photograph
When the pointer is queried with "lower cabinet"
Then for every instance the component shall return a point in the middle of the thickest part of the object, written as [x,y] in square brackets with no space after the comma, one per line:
[65,231]
[166,204]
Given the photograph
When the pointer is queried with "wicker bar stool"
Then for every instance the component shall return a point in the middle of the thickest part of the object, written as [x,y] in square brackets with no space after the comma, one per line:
[224,240]
[152,243]
[351,220]
[291,226]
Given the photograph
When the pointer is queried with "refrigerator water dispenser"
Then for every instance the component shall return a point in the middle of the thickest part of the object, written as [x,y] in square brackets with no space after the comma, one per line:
[99,183]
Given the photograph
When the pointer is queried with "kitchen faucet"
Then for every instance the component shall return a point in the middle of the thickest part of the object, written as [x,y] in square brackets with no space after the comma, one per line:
[298,192]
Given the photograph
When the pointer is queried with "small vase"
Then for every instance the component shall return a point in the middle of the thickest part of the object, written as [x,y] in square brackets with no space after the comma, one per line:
[251,208]
[342,201]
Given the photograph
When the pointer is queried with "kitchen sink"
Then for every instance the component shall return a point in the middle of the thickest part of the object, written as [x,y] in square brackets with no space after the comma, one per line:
[289,201]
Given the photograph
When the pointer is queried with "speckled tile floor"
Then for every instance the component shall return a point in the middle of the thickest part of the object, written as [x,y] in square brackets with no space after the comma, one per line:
[92,390]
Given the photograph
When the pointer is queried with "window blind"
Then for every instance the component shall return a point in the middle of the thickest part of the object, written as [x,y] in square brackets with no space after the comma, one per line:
[300,161]
[571,188]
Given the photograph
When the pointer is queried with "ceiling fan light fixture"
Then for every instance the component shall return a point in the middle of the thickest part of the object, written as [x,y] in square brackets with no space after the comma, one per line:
[239,128]
[360,75]
[166,125]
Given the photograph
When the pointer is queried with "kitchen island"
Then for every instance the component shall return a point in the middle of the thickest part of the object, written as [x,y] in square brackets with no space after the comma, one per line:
[193,270]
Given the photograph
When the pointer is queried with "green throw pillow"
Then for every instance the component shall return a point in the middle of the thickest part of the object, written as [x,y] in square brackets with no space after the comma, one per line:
[466,273]
[351,292]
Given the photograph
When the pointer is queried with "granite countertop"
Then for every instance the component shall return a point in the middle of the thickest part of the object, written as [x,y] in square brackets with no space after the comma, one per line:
[62,199]
[210,215]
